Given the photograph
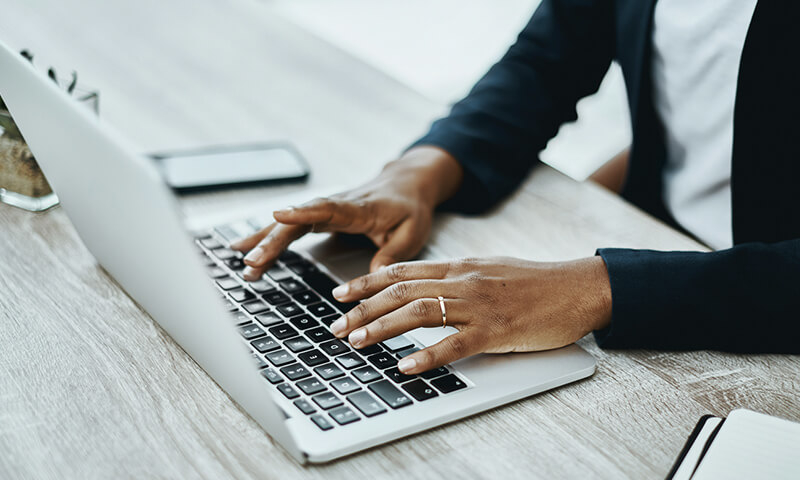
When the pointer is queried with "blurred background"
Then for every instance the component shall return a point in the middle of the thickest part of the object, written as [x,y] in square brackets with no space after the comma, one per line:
[439,48]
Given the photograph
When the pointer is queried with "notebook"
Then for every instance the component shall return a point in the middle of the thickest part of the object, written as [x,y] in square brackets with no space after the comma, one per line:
[747,445]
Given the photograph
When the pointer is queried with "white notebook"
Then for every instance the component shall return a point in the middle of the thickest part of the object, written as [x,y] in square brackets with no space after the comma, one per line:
[746,445]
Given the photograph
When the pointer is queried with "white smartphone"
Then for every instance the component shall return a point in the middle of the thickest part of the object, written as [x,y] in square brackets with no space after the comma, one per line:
[218,167]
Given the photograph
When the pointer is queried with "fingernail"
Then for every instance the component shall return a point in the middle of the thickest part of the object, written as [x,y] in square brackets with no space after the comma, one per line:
[357,337]
[236,244]
[249,274]
[255,255]
[406,364]
[341,291]
[338,326]
[289,209]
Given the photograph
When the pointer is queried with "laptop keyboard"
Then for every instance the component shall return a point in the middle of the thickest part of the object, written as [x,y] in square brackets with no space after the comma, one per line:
[284,318]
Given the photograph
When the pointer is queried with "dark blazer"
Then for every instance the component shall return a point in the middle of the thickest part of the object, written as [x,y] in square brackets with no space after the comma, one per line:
[744,299]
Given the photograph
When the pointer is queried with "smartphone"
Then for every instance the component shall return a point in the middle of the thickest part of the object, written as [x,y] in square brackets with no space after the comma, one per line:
[212,168]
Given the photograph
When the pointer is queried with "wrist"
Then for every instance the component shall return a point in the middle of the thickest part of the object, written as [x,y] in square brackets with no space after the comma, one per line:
[430,173]
[600,294]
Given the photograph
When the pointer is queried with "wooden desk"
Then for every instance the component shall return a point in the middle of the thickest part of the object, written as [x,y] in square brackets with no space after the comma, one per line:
[92,388]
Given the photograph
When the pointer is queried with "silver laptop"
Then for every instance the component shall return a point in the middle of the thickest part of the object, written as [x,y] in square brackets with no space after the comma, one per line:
[266,343]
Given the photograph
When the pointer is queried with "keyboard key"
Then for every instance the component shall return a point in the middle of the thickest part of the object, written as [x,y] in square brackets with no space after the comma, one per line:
[289,309]
[404,353]
[240,318]
[436,372]
[279,358]
[251,331]
[268,319]
[370,350]
[211,243]
[366,374]
[305,298]
[278,273]
[310,386]
[298,344]
[235,263]
[345,385]
[228,283]
[260,363]
[448,383]
[344,415]
[302,267]
[350,361]
[366,404]
[255,307]
[321,309]
[295,372]
[303,322]
[283,331]
[266,344]
[224,253]
[291,285]
[304,406]
[262,286]
[216,272]
[234,231]
[327,400]
[420,390]
[397,377]
[276,298]
[321,422]
[319,334]
[228,305]
[390,394]
[241,295]
[328,371]
[313,358]
[288,391]
[382,360]
[271,375]
[327,321]
[323,284]
[334,347]
[397,343]
[288,256]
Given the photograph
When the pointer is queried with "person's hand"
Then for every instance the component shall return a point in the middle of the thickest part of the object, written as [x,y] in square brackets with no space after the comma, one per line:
[497,304]
[395,211]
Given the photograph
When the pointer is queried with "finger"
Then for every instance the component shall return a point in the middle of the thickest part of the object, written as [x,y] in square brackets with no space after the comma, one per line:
[264,254]
[246,244]
[404,243]
[423,312]
[459,345]
[329,214]
[390,299]
[372,283]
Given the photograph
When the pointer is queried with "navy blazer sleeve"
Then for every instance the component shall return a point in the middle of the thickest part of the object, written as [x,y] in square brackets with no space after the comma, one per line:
[497,131]
[744,299]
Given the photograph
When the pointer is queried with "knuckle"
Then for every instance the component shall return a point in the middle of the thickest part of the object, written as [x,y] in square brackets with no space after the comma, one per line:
[399,292]
[420,309]
[364,283]
[458,345]
[359,314]
[397,272]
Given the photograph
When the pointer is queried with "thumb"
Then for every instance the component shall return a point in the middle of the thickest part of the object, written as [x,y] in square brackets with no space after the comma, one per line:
[403,244]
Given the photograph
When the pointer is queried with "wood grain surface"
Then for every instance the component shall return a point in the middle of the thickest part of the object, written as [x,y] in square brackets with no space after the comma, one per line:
[91,387]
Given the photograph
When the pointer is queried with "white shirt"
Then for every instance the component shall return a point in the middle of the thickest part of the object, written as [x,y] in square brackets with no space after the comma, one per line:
[697,47]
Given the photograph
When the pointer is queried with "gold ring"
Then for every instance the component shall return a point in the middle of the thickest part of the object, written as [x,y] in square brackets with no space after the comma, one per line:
[444,311]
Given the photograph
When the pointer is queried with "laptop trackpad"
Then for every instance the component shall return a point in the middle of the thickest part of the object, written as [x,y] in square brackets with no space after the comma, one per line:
[429,336]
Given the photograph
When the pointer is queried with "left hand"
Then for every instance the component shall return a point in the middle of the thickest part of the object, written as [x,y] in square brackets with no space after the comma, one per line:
[497,304]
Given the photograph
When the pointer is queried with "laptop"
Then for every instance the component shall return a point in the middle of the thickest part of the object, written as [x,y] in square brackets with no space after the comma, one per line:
[266,343]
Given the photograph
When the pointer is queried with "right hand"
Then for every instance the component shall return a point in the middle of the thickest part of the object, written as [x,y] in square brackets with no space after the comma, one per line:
[394,210]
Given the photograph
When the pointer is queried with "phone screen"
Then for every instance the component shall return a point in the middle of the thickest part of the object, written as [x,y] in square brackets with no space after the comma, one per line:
[229,166]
